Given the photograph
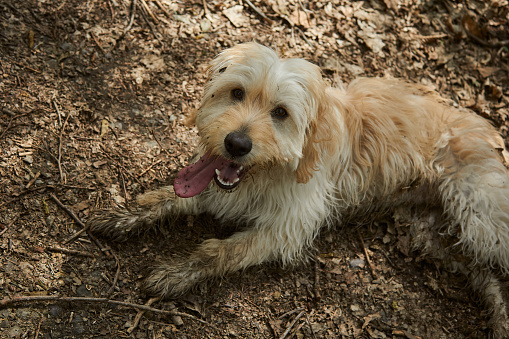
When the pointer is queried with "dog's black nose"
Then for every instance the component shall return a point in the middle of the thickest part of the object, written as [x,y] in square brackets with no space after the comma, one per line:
[238,144]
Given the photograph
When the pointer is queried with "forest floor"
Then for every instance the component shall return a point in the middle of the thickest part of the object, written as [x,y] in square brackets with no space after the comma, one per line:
[92,107]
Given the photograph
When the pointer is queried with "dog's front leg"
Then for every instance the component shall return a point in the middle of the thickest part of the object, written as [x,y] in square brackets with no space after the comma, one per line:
[153,208]
[215,258]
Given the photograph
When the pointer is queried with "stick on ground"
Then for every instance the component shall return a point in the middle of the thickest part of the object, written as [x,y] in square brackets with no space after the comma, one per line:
[368,260]
[15,301]
[103,249]
[70,252]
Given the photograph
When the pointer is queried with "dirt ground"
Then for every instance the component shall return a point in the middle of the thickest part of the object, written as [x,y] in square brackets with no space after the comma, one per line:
[92,105]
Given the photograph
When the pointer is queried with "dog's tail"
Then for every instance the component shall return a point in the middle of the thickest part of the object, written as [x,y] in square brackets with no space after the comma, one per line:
[474,189]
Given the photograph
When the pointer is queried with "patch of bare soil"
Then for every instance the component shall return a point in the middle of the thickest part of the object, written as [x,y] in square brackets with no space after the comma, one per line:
[93,98]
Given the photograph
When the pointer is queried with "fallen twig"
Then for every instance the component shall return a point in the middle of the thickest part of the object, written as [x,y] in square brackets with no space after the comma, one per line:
[260,13]
[124,189]
[368,260]
[58,113]
[33,189]
[291,312]
[62,128]
[97,43]
[103,249]
[38,328]
[8,126]
[487,43]
[289,328]
[316,284]
[131,19]
[140,314]
[9,225]
[9,112]
[160,5]
[115,279]
[31,182]
[150,167]
[75,236]
[42,298]
[108,280]
[68,251]
[150,25]
[149,11]
[309,323]
[13,117]
[68,211]
[159,143]
[112,11]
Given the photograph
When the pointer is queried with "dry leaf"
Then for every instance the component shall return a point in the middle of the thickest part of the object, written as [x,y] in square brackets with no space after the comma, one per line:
[487,71]
[471,26]
[236,16]
[370,318]
[392,4]
[492,92]
[300,18]
[105,126]
[279,6]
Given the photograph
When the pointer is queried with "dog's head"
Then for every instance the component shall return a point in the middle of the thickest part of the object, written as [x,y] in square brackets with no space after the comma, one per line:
[257,110]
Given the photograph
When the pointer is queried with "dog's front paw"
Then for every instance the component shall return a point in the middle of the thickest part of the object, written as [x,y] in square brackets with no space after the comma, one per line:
[117,225]
[174,280]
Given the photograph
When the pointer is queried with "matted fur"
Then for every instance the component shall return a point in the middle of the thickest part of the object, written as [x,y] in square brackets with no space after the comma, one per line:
[340,154]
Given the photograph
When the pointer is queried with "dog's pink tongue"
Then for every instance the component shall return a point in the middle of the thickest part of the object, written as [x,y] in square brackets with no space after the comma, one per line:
[193,179]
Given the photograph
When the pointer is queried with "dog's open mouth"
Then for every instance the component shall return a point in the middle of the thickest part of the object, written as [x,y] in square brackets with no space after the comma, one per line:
[193,179]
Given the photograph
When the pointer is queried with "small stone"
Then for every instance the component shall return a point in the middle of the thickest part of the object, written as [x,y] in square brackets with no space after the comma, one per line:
[67,46]
[357,263]
[205,25]
[355,308]
[56,311]
[83,291]
[77,325]
[14,332]
[28,159]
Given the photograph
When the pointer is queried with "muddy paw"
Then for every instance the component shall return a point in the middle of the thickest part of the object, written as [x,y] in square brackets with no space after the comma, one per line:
[117,225]
[172,281]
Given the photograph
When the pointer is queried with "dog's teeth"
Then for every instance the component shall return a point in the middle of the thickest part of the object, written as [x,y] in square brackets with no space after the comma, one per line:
[217,172]
[224,183]
[240,169]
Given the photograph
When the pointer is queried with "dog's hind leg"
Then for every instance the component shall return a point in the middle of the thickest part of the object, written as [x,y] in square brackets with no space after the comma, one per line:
[490,288]
[153,208]
[475,195]
[474,189]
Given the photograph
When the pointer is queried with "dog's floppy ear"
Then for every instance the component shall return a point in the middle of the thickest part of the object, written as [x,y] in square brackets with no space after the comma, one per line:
[310,155]
[318,139]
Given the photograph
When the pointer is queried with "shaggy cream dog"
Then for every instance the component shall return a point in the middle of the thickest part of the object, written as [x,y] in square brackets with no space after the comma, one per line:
[296,155]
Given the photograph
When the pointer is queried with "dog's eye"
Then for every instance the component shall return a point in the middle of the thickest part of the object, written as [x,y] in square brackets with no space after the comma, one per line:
[237,94]
[222,70]
[279,113]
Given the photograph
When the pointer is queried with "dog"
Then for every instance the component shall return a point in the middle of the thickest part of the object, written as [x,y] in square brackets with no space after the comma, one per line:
[296,155]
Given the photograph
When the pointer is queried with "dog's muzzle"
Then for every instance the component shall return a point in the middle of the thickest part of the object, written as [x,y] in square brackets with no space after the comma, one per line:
[193,179]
